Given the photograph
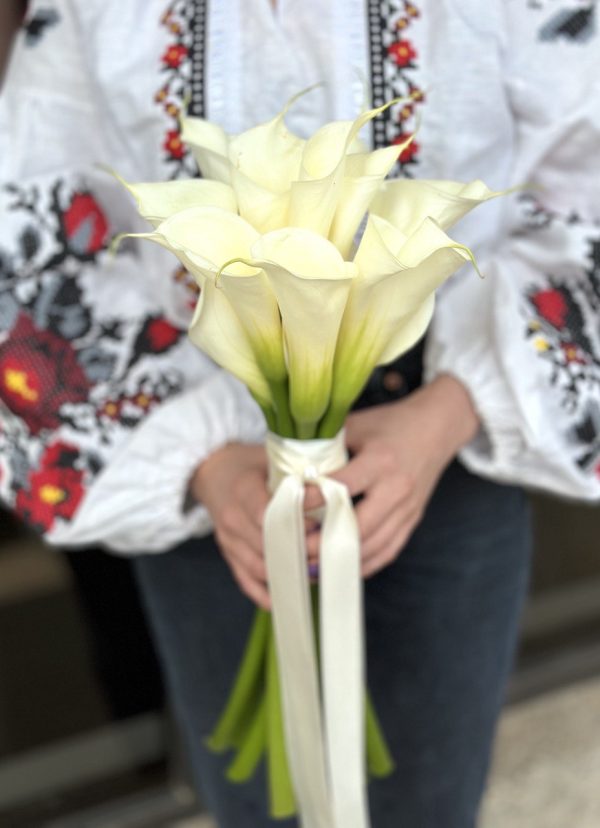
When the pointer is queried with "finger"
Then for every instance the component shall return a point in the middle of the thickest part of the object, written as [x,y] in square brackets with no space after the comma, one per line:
[255,502]
[385,499]
[313,546]
[235,525]
[388,534]
[255,590]
[313,497]
[360,473]
[387,554]
[251,561]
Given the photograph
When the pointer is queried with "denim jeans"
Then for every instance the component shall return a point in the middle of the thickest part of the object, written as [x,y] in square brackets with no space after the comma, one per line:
[441,629]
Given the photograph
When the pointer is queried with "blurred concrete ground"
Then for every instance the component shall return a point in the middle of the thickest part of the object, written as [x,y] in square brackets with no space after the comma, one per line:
[547,767]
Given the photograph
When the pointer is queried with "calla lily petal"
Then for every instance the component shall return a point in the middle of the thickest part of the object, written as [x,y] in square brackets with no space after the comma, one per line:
[419,263]
[405,202]
[253,299]
[363,176]
[216,329]
[314,199]
[267,210]
[209,144]
[157,201]
[205,237]
[269,154]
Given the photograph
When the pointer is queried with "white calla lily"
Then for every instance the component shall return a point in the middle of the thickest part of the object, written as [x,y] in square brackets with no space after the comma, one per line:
[216,329]
[220,249]
[311,282]
[203,238]
[405,202]
[330,167]
[390,303]
[157,201]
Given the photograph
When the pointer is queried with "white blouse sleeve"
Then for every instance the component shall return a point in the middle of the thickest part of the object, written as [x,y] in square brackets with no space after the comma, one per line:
[139,500]
[105,406]
[526,340]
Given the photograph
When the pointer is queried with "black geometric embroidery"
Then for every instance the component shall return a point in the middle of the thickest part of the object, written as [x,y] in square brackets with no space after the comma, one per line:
[36,26]
[393,60]
[586,433]
[574,25]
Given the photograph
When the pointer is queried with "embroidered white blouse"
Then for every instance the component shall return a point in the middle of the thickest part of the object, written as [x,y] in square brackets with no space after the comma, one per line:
[106,409]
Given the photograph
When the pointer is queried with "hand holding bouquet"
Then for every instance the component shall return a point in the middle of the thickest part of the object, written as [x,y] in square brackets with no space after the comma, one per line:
[301,310]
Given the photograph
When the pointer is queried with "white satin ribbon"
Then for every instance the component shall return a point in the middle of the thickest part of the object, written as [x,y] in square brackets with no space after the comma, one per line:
[325,739]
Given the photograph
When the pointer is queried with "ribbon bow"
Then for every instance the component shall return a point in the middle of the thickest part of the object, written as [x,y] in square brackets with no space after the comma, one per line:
[324,732]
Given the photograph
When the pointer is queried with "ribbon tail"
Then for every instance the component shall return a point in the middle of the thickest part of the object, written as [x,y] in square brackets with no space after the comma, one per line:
[285,555]
[342,658]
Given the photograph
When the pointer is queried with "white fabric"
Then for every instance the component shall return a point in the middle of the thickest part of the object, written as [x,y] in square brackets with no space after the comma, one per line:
[326,742]
[501,104]
[259,57]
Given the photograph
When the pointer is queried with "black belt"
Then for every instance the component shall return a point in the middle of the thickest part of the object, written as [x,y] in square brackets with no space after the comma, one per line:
[395,380]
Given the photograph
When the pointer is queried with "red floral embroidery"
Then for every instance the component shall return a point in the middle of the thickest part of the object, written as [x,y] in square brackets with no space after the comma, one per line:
[176,64]
[409,152]
[39,373]
[175,55]
[402,52]
[161,335]
[551,306]
[174,145]
[112,410]
[55,488]
[85,225]
[573,353]
[394,66]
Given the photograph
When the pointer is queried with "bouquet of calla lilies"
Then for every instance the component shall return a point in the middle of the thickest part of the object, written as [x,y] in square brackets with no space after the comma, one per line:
[313,270]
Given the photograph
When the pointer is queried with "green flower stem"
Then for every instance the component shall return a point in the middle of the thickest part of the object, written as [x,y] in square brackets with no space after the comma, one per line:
[306,431]
[285,424]
[379,758]
[332,422]
[281,793]
[268,412]
[252,747]
[246,690]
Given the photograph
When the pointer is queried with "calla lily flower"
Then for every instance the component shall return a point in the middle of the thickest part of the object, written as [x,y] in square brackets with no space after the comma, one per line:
[203,238]
[390,303]
[311,281]
[217,254]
